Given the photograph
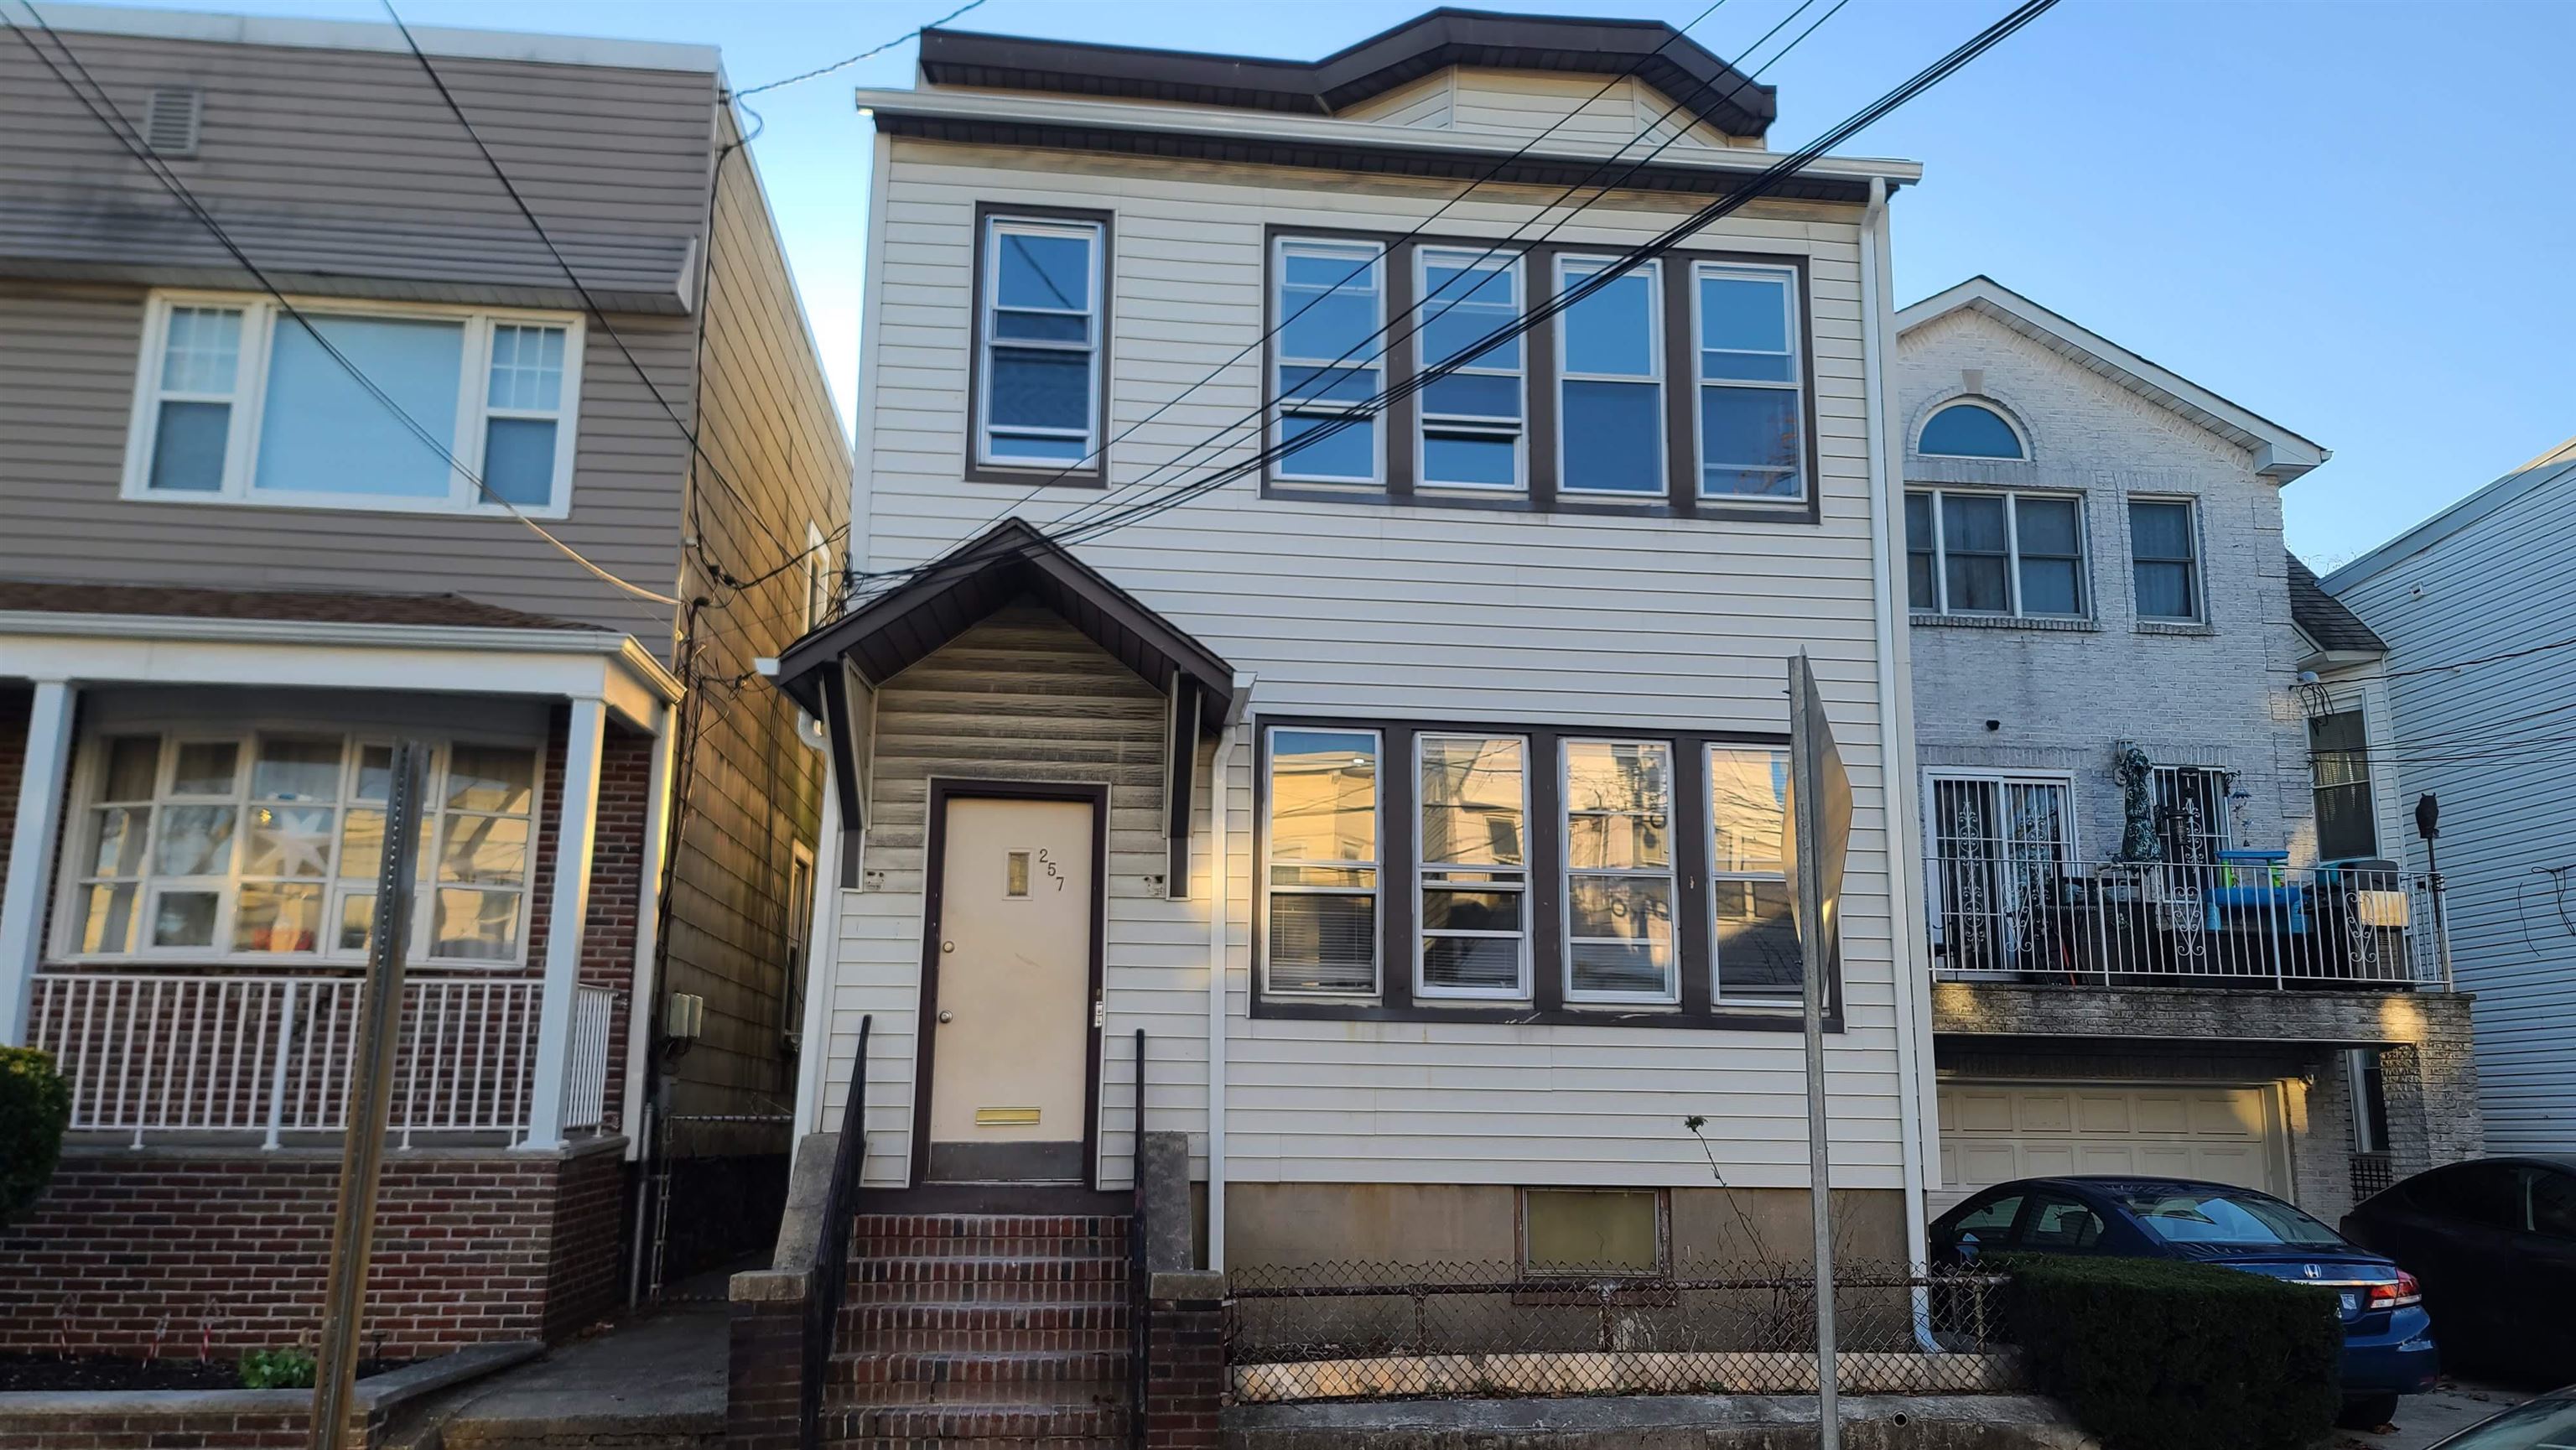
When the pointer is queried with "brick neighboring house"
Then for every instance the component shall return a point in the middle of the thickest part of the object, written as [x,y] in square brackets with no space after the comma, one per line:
[2159,977]
[232,574]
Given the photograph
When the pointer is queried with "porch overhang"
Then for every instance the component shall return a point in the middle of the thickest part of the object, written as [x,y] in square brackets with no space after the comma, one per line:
[830,671]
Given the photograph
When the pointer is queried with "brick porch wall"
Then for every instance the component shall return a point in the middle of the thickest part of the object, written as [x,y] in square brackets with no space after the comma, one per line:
[186,1247]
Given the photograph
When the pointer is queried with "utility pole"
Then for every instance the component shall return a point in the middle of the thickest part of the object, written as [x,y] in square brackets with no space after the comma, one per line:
[370,1102]
[1820,810]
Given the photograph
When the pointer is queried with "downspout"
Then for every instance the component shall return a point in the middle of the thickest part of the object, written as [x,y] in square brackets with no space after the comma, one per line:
[1896,733]
[1218,880]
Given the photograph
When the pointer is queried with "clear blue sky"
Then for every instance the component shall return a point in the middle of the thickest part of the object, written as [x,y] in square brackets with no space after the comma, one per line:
[2352,218]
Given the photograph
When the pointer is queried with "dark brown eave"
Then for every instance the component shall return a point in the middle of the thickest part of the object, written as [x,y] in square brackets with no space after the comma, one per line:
[1370,157]
[897,630]
[1653,51]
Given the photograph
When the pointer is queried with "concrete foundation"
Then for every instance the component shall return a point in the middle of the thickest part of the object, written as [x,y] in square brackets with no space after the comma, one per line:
[1659,1422]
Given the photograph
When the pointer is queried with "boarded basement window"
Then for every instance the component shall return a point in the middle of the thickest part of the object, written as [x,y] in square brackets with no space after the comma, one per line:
[1591,1231]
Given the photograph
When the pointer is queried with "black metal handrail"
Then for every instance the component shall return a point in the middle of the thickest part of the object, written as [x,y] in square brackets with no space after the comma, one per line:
[1140,1299]
[827,1277]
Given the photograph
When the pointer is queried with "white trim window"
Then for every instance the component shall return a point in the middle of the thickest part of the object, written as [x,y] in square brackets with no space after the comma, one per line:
[1754,927]
[1472,871]
[1330,307]
[1619,888]
[1321,866]
[2164,560]
[1969,428]
[265,846]
[818,576]
[1752,383]
[1610,382]
[1980,551]
[1998,846]
[1472,420]
[2192,816]
[448,410]
[1040,332]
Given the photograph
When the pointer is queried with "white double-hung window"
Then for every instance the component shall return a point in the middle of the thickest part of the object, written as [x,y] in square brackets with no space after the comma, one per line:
[1756,930]
[1040,369]
[199,844]
[1610,369]
[1619,888]
[1751,409]
[1320,936]
[338,405]
[1473,866]
[1331,319]
[1472,419]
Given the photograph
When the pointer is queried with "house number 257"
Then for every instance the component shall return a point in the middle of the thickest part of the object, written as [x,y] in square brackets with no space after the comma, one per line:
[1054,873]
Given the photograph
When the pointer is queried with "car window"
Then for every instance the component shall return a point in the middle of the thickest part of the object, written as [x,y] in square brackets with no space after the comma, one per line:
[2237,1216]
[2553,1203]
[1989,1223]
[2540,1425]
[2481,1193]
[2060,1224]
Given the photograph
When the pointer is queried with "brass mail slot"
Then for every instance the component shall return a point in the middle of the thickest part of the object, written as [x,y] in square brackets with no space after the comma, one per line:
[1006,1117]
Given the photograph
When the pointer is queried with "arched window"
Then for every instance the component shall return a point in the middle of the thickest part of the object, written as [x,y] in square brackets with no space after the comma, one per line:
[1970,430]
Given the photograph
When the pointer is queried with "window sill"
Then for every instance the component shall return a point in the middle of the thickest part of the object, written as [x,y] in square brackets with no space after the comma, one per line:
[1723,1018]
[2003,621]
[2163,626]
[350,503]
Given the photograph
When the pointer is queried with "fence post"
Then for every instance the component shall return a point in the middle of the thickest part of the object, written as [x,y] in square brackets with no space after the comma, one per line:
[277,1068]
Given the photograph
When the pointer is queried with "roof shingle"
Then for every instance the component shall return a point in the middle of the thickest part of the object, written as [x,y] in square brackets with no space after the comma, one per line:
[2324,617]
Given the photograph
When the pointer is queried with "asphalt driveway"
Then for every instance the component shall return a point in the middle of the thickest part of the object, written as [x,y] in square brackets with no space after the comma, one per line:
[2423,1419]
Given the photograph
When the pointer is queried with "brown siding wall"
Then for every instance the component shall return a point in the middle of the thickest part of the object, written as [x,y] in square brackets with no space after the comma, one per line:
[753,789]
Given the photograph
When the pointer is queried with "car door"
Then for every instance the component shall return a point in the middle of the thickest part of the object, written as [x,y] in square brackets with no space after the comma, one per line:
[2057,1222]
[2457,1237]
[2544,1273]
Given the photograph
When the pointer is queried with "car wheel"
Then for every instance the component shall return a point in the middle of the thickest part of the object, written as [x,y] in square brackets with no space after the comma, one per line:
[2367,1412]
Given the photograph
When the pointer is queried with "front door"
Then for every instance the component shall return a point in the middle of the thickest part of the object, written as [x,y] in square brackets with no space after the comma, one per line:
[1011,1061]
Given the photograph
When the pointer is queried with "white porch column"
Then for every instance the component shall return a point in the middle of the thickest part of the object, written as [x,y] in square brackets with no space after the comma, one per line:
[566,914]
[32,830]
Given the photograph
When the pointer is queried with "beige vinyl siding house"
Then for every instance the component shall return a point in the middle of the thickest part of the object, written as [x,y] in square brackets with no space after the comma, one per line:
[231,577]
[1527,613]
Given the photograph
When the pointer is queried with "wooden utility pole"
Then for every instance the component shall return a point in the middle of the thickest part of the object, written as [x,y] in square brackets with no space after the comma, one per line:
[370,1102]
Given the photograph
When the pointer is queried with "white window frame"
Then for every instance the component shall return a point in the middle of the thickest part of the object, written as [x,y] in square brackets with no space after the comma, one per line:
[89,779]
[2190,507]
[261,317]
[996,226]
[816,575]
[1591,266]
[1513,266]
[1716,873]
[1519,991]
[1376,866]
[1282,408]
[2012,425]
[2222,829]
[2012,552]
[2063,781]
[1796,386]
[1567,871]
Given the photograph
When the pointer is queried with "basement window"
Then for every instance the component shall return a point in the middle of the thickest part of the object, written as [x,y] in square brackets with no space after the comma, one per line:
[1592,1232]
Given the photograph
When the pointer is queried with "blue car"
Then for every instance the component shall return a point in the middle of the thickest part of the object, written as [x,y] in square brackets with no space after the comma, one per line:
[2388,1346]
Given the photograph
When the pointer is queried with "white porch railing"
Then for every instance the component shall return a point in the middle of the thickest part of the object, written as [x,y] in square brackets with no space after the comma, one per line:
[173,1053]
[2232,924]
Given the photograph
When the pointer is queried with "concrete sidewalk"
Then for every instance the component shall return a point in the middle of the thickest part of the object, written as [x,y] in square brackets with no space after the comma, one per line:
[653,1382]
[2426,1418]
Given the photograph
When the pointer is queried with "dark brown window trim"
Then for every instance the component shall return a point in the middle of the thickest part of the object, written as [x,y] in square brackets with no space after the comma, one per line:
[1681,497]
[1398,825]
[978,471]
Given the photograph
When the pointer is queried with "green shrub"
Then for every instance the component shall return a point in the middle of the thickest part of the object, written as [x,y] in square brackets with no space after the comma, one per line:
[277,1369]
[2149,1354]
[35,1108]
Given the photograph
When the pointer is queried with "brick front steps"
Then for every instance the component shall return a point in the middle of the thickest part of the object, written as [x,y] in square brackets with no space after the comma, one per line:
[990,1331]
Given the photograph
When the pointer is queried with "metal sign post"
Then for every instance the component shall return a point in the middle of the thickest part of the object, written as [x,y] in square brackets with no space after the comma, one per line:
[1820,810]
[370,1103]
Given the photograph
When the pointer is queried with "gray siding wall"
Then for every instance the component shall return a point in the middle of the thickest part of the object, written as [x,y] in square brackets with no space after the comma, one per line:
[2490,741]
[346,163]
[2063,694]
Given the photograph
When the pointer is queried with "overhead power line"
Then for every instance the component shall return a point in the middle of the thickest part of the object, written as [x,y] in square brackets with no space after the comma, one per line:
[104,112]
[862,55]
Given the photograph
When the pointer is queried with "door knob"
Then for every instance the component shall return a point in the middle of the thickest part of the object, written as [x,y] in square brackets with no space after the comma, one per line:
[947,1016]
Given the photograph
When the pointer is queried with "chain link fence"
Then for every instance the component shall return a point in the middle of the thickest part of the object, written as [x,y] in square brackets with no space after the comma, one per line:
[1360,1331]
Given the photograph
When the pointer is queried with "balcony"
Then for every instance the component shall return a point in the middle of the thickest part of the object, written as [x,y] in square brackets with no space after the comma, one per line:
[2246,920]
[162,1055]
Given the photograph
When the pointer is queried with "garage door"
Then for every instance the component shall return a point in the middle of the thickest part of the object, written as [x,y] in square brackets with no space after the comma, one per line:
[1995,1132]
